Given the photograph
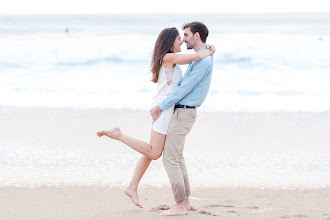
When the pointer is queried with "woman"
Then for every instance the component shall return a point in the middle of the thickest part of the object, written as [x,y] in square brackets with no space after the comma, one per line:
[167,74]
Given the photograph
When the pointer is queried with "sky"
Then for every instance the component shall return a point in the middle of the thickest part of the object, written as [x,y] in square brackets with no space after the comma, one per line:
[156,6]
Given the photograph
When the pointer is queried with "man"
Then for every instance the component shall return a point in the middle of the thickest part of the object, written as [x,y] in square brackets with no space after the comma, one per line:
[189,95]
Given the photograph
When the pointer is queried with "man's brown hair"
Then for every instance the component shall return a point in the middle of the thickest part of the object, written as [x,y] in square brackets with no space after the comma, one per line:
[199,27]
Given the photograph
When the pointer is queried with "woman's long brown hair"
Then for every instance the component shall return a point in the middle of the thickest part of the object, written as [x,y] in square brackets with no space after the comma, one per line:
[163,46]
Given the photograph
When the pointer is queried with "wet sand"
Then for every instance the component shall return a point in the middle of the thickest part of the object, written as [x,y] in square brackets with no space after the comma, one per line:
[208,203]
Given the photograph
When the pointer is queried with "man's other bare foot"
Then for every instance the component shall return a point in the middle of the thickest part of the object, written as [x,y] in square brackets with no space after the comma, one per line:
[188,206]
[112,133]
[134,197]
[178,209]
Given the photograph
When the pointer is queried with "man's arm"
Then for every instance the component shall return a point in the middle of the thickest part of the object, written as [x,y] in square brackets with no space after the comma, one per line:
[189,81]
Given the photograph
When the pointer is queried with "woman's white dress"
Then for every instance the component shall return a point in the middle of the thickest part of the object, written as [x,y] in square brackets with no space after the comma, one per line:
[166,75]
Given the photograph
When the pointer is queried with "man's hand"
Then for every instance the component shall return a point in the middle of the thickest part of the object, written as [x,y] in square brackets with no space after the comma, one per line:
[155,113]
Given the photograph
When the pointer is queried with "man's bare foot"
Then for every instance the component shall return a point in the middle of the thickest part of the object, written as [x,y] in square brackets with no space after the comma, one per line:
[134,197]
[177,209]
[112,133]
[188,206]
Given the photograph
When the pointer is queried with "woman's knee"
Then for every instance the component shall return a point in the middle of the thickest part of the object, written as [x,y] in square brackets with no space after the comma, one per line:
[156,150]
[156,156]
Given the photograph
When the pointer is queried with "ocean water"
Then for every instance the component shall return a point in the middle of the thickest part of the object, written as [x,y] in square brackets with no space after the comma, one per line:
[263,63]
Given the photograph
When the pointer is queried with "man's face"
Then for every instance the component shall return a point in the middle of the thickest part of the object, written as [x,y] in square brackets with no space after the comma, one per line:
[188,38]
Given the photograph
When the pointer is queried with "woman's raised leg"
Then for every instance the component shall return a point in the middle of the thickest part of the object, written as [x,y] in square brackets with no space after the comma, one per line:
[152,150]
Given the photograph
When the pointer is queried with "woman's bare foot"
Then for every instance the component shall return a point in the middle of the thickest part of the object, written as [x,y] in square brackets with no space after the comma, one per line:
[134,197]
[112,133]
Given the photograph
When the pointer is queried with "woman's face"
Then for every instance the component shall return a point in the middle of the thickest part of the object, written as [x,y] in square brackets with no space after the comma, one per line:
[177,44]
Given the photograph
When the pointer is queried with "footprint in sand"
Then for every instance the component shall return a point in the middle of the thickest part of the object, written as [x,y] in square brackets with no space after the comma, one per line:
[206,213]
[160,208]
[253,207]
[294,216]
[192,209]
[227,206]
[227,211]
[218,205]
[166,207]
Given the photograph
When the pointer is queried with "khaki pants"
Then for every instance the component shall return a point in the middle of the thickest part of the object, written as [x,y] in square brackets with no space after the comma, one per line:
[181,123]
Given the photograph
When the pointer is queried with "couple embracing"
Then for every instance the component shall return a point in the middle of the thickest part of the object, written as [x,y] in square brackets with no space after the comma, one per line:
[174,109]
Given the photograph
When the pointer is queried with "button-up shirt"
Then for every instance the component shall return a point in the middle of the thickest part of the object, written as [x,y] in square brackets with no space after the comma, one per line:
[194,86]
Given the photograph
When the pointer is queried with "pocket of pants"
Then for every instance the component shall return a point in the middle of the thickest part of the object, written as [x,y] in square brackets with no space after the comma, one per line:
[177,113]
[193,114]
[188,120]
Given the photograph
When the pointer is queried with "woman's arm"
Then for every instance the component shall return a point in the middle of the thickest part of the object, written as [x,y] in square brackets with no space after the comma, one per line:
[173,58]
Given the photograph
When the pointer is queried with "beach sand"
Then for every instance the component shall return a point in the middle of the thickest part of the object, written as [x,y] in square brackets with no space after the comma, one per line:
[209,203]
[66,180]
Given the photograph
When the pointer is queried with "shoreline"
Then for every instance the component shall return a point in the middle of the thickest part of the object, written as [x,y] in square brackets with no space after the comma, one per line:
[210,203]
[2,107]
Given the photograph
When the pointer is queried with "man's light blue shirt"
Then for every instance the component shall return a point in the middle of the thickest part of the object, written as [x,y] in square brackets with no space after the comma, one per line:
[194,86]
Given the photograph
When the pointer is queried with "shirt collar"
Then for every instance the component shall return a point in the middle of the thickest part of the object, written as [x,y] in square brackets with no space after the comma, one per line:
[203,48]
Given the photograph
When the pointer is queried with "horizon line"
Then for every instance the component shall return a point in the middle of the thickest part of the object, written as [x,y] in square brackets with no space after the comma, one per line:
[176,13]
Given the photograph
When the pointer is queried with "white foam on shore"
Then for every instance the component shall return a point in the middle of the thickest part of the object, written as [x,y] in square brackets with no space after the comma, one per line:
[30,167]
